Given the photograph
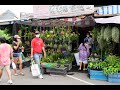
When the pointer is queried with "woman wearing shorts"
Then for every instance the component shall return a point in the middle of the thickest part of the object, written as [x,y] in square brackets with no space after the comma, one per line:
[83,55]
[17,53]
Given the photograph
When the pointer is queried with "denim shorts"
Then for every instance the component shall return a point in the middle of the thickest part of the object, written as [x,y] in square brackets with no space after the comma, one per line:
[17,54]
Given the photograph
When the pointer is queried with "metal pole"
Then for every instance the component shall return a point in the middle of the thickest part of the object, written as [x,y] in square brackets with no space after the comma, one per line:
[14,29]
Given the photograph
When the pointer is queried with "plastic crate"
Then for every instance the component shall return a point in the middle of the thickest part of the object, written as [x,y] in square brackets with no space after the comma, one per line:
[114,78]
[88,70]
[97,75]
[69,66]
[57,71]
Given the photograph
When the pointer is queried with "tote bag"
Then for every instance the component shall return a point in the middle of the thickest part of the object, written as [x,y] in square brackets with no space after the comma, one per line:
[35,69]
[77,58]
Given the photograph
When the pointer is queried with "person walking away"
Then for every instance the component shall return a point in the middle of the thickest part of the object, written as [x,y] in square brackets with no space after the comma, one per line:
[37,46]
[83,55]
[17,54]
[6,52]
[89,41]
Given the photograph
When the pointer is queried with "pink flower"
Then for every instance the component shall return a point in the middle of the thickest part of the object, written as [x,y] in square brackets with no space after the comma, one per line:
[95,54]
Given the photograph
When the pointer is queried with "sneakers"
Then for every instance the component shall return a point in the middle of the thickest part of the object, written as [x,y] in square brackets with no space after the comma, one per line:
[40,76]
[85,69]
[79,69]
[9,82]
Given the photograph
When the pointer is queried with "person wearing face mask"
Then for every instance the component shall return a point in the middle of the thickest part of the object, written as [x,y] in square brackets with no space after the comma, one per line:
[17,54]
[89,41]
[37,46]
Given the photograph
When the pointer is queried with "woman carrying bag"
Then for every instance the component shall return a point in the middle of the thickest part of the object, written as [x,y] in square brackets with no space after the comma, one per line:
[17,53]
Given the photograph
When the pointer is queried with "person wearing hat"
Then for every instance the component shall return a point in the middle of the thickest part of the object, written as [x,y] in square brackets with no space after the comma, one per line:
[17,53]
[37,46]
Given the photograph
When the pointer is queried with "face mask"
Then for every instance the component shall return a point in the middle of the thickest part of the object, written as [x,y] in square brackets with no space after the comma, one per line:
[87,35]
[18,40]
[38,35]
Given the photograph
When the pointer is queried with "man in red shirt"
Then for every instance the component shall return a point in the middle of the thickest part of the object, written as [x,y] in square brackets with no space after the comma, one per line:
[37,46]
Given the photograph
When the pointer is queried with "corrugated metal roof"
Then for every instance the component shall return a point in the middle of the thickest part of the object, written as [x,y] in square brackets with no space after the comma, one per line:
[8,15]
[115,19]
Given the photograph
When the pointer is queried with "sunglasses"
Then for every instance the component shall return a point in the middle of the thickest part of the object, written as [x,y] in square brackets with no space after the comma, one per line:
[36,33]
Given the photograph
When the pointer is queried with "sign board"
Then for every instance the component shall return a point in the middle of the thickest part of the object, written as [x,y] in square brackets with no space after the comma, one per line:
[25,16]
[53,11]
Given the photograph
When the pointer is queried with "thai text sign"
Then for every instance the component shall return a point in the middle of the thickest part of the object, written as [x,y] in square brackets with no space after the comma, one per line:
[70,10]
[52,11]
[24,15]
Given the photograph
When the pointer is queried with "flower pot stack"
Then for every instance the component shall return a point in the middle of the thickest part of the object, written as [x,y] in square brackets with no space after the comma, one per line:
[58,44]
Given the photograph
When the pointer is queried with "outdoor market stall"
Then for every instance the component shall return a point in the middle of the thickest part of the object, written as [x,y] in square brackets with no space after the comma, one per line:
[104,64]
[56,31]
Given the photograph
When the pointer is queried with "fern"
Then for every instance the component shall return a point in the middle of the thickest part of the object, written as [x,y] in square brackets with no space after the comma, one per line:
[107,34]
[115,34]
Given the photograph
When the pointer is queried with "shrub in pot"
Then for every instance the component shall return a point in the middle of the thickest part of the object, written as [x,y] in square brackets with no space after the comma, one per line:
[112,69]
[95,70]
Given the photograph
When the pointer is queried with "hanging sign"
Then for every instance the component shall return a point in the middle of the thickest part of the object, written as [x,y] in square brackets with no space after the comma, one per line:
[54,11]
[24,16]
[70,10]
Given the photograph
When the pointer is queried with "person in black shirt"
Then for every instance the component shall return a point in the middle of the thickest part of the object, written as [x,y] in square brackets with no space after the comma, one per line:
[17,53]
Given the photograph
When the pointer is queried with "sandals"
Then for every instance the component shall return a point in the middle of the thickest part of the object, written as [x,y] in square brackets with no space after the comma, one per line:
[21,74]
[16,74]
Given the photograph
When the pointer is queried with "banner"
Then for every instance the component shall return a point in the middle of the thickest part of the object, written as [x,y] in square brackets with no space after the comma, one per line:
[54,11]
[24,16]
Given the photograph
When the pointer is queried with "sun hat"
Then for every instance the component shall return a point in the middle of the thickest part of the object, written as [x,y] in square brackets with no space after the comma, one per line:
[37,32]
[17,36]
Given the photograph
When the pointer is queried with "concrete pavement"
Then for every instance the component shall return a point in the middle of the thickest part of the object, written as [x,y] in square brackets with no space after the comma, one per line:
[79,78]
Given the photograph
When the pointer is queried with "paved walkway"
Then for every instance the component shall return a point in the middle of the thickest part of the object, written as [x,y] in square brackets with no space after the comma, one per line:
[79,78]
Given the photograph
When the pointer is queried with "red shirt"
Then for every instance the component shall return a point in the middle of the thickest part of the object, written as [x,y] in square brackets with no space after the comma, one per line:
[37,44]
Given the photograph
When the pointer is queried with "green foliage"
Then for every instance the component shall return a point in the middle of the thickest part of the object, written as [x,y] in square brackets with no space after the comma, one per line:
[113,65]
[109,66]
[107,34]
[3,33]
[97,65]
[115,34]
[58,58]
[59,35]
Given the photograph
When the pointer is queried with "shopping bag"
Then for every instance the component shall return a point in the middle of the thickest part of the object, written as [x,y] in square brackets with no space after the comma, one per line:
[77,58]
[35,69]
[13,65]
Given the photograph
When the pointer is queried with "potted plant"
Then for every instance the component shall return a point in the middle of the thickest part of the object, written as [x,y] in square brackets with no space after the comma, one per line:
[112,69]
[95,67]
